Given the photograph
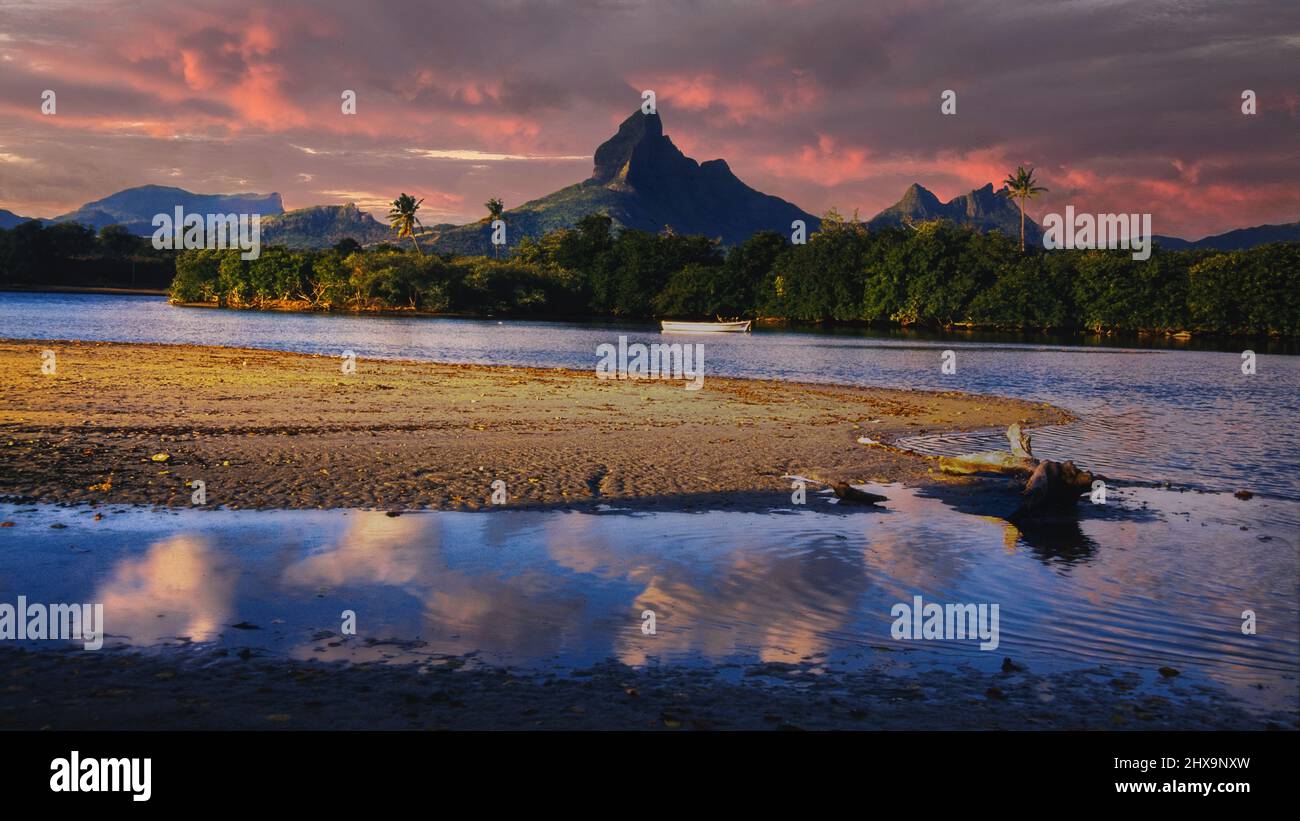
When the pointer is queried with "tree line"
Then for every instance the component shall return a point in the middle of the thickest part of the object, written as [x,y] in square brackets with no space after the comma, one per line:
[70,254]
[933,274]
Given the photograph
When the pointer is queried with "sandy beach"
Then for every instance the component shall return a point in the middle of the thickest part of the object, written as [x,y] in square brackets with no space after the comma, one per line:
[135,423]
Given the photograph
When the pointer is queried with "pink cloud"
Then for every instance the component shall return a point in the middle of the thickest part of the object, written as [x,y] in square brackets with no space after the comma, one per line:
[735,102]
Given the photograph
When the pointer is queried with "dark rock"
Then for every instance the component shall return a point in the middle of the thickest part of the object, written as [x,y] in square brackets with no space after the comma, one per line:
[849,493]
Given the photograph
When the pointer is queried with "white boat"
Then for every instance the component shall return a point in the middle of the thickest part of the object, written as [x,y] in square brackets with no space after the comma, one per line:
[672,327]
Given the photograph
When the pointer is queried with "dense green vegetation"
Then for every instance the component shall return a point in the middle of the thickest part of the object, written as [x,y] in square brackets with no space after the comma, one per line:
[70,254]
[935,274]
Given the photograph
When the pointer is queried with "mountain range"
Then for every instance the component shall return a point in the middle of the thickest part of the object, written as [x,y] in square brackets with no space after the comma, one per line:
[982,209]
[1238,239]
[640,179]
[134,208]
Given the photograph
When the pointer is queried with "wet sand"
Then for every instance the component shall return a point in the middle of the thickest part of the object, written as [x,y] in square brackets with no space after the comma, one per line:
[219,689]
[265,429]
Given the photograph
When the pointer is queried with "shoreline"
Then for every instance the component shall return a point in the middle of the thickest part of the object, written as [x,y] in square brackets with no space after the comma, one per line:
[225,688]
[956,329]
[1108,337]
[85,289]
[135,423]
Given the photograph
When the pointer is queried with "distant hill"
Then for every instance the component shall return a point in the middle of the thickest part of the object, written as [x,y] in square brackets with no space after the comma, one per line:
[982,209]
[1240,239]
[986,210]
[135,208]
[642,181]
[321,226]
[8,219]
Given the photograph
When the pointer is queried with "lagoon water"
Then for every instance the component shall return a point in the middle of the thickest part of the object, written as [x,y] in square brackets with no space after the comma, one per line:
[1189,417]
[1155,577]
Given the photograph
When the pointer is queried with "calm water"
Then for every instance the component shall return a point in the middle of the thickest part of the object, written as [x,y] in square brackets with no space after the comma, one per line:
[1186,417]
[1134,590]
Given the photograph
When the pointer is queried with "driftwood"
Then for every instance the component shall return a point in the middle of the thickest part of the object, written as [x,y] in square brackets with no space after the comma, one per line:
[1020,441]
[1019,461]
[1049,486]
[988,461]
[845,491]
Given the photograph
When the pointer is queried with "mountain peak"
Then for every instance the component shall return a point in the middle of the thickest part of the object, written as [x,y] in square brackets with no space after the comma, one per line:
[918,200]
[639,140]
[642,181]
[983,209]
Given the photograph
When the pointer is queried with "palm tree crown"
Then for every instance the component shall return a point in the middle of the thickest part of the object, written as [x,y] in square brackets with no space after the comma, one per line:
[403,219]
[1022,187]
[495,207]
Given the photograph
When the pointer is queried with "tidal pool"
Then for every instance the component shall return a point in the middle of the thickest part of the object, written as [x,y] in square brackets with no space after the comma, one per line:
[1154,578]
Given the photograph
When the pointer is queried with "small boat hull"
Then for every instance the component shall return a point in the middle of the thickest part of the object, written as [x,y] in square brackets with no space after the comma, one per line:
[705,327]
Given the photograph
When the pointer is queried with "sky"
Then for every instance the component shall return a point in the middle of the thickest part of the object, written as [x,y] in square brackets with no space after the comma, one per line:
[1121,107]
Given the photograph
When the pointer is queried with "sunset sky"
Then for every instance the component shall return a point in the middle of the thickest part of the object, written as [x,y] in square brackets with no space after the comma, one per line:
[1121,106]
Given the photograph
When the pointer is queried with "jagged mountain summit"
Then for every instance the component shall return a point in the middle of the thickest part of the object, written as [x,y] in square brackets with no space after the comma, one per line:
[982,209]
[642,181]
[321,226]
[135,208]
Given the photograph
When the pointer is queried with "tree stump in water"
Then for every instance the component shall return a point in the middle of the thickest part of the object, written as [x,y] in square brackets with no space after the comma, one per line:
[1053,486]
[1049,486]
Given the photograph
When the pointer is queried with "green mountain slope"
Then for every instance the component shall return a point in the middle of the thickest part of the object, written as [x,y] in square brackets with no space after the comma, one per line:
[642,181]
[321,226]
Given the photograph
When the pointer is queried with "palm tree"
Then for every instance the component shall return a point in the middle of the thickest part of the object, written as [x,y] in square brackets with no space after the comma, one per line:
[402,217]
[495,207]
[1021,185]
